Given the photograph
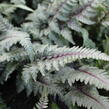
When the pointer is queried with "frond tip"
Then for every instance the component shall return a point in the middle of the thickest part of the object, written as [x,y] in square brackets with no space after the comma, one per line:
[43,103]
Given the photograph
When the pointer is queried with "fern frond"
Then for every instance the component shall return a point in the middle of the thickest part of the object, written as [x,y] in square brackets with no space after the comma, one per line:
[11,36]
[46,27]
[66,33]
[76,13]
[57,57]
[53,56]
[4,25]
[38,85]
[43,102]
[33,81]
[18,1]
[69,10]
[86,12]
[29,72]
[87,97]
[60,17]
[52,88]
[7,9]
[14,55]
[86,74]
[9,69]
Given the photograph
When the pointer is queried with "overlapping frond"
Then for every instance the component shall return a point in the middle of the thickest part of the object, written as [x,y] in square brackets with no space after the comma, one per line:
[11,37]
[86,74]
[38,85]
[9,69]
[55,23]
[5,25]
[87,97]
[12,56]
[29,72]
[14,37]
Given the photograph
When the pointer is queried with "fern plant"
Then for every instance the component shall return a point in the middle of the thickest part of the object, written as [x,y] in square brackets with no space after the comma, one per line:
[43,52]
